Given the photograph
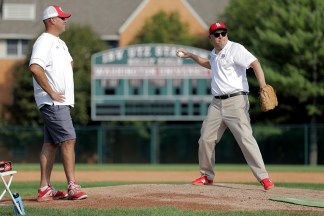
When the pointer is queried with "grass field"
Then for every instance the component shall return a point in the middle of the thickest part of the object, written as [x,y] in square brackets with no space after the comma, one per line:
[144,212]
[28,189]
[230,167]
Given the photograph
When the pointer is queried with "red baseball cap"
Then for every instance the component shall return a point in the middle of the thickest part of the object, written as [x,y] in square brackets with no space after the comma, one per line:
[54,11]
[218,25]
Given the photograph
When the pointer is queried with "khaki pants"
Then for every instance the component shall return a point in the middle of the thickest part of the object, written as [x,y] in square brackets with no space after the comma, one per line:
[232,113]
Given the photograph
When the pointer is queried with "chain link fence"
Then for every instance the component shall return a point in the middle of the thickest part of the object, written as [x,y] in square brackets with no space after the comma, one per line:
[160,143]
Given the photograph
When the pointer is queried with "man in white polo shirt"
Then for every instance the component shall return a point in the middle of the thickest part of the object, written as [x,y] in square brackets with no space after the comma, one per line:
[51,66]
[230,105]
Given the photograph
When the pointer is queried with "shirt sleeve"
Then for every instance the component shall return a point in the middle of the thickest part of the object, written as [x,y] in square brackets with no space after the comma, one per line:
[243,57]
[40,54]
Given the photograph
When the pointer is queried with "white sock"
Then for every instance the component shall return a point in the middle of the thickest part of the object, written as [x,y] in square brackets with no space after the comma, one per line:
[72,183]
[43,188]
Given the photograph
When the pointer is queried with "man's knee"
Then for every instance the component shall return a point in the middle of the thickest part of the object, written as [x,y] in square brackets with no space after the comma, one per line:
[205,141]
[68,143]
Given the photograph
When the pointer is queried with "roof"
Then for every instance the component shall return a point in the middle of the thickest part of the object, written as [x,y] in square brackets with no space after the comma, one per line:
[209,10]
[106,17]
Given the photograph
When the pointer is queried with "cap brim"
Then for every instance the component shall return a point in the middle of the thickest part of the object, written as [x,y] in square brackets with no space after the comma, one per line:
[65,15]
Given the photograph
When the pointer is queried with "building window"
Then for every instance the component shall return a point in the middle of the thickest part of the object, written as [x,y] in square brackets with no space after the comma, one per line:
[12,47]
[24,47]
[17,47]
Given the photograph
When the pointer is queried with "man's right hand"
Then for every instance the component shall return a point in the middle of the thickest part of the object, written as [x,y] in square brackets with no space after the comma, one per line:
[182,53]
[57,96]
[40,77]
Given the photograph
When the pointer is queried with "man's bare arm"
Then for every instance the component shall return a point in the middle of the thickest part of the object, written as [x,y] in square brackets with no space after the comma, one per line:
[41,79]
[258,73]
[199,60]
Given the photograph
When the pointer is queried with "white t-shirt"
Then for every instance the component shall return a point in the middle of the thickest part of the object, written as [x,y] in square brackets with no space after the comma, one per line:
[52,54]
[229,69]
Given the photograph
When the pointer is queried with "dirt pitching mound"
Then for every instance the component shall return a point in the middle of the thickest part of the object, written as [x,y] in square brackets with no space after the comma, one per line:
[217,197]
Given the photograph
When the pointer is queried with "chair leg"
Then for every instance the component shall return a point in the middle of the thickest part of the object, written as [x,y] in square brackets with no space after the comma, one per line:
[8,190]
[4,182]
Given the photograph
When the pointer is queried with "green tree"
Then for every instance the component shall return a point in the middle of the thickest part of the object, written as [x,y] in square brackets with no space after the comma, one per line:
[82,42]
[287,38]
[165,28]
[23,111]
[161,28]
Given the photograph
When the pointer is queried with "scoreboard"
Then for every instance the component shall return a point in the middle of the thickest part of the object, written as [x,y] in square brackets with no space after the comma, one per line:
[148,82]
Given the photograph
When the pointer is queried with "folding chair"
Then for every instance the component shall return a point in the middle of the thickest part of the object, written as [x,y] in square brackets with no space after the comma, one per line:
[7,187]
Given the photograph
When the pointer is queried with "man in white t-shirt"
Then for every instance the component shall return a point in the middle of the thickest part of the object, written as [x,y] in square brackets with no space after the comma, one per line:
[230,105]
[51,66]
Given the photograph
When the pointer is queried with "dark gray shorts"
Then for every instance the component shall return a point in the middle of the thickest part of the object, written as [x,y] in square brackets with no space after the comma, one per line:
[58,125]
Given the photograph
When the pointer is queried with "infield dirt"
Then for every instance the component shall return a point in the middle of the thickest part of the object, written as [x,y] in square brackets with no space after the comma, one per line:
[222,196]
[217,197]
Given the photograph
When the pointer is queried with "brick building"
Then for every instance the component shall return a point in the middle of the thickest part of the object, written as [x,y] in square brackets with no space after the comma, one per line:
[116,21]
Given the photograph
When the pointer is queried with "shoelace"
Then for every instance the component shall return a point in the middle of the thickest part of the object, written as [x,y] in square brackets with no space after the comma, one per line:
[74,187]
[53,190]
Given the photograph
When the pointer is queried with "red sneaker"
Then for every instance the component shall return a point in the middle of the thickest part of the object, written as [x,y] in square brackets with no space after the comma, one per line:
[267,184]
[75,193]
[50,194]
[57,194]
[203,180]
[46,195]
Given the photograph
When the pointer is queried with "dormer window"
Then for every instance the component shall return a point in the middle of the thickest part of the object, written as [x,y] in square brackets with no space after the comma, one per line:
[11,11]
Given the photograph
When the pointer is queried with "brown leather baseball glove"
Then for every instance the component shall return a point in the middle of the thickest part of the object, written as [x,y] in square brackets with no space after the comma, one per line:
[268,98]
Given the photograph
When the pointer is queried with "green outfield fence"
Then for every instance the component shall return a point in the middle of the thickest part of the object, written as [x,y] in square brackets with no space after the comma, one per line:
[161,143]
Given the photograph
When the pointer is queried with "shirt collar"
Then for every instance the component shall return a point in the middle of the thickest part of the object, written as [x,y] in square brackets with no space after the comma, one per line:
[228,44]
[50,35]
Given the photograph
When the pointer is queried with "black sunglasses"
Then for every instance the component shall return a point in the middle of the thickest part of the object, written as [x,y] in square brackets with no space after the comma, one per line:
[216,34]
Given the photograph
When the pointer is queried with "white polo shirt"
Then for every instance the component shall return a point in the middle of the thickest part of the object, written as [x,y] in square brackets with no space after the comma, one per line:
[52,54]
[229,69]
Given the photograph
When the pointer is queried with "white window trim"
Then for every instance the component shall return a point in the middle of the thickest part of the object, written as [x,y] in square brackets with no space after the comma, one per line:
[14,11]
